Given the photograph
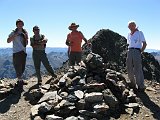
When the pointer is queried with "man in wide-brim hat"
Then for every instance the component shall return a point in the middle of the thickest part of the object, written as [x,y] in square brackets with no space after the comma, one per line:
[74,40]
[73,25]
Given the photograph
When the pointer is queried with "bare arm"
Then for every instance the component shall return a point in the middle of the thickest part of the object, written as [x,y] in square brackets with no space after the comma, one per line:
[84,39]
[26,38]
[143,46]
[11,38]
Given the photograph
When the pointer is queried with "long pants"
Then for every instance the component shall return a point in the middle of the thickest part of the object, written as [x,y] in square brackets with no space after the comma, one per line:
[38,57]
[74,58]
[19,62]
[134,68]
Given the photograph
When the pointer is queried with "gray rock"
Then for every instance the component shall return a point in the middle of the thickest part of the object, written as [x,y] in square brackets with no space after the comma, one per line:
[63,95]
[110,99]
[46,86]
[81,71]
[94,87]
[121,85]
[53,117]
[82,82]
[89,79]
[100,108]
[71,98]
[75,80]
[109,71]
[63,103]
[79,94]
[38,118]
[131,96]
[67,111]
[62,82]
[34,110]
[94,97]
[72,118]
[71,75]
[50,96]
[129,111]
[112,76]
[44,107]
[83,117]
[90,114]
[71,107]
[132,105]
[80,105]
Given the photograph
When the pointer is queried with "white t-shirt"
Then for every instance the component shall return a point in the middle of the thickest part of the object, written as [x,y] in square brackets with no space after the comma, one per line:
[17,43]
[136,39]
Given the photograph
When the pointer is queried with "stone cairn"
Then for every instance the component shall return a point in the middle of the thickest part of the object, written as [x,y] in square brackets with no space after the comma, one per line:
[87,91]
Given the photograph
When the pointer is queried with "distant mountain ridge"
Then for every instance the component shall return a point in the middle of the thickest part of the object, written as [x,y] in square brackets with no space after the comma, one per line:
[56,57]
[152,50]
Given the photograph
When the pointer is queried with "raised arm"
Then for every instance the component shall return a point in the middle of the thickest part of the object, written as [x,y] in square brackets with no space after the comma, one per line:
[11,38]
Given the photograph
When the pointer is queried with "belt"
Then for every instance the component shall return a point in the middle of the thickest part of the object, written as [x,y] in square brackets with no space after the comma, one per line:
[135,48]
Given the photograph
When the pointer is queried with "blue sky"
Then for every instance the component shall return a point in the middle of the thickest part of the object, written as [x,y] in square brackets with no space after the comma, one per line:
[54,16]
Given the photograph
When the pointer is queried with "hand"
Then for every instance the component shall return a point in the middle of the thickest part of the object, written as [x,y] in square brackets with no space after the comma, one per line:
[142,51]
[15,35]
[89,44]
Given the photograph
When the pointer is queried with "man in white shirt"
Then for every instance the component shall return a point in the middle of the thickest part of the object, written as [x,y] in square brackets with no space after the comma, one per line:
[137,45]
[19,38]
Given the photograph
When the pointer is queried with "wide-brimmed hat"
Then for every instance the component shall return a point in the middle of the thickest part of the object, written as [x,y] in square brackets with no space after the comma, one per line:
[36,28]
[73,25]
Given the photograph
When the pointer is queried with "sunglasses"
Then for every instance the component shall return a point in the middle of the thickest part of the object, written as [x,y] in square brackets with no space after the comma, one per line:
[36,29]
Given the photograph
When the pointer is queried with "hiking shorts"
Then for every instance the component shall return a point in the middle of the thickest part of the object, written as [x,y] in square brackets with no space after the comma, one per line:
[75,58]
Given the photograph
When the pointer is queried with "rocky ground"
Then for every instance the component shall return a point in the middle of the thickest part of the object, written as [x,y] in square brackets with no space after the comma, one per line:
[15,105]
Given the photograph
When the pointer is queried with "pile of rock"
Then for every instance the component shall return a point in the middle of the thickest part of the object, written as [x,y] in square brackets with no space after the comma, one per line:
[88,91]
[113,49]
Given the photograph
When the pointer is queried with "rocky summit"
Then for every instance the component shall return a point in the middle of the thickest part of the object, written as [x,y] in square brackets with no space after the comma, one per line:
[96,89]
[112,47]
[86,91]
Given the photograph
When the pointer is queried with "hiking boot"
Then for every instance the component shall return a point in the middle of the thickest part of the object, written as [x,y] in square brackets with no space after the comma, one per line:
[20,84]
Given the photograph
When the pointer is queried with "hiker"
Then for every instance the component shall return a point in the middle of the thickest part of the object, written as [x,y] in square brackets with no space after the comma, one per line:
[137,45]
[19,37]
[38,43]
[74,40]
